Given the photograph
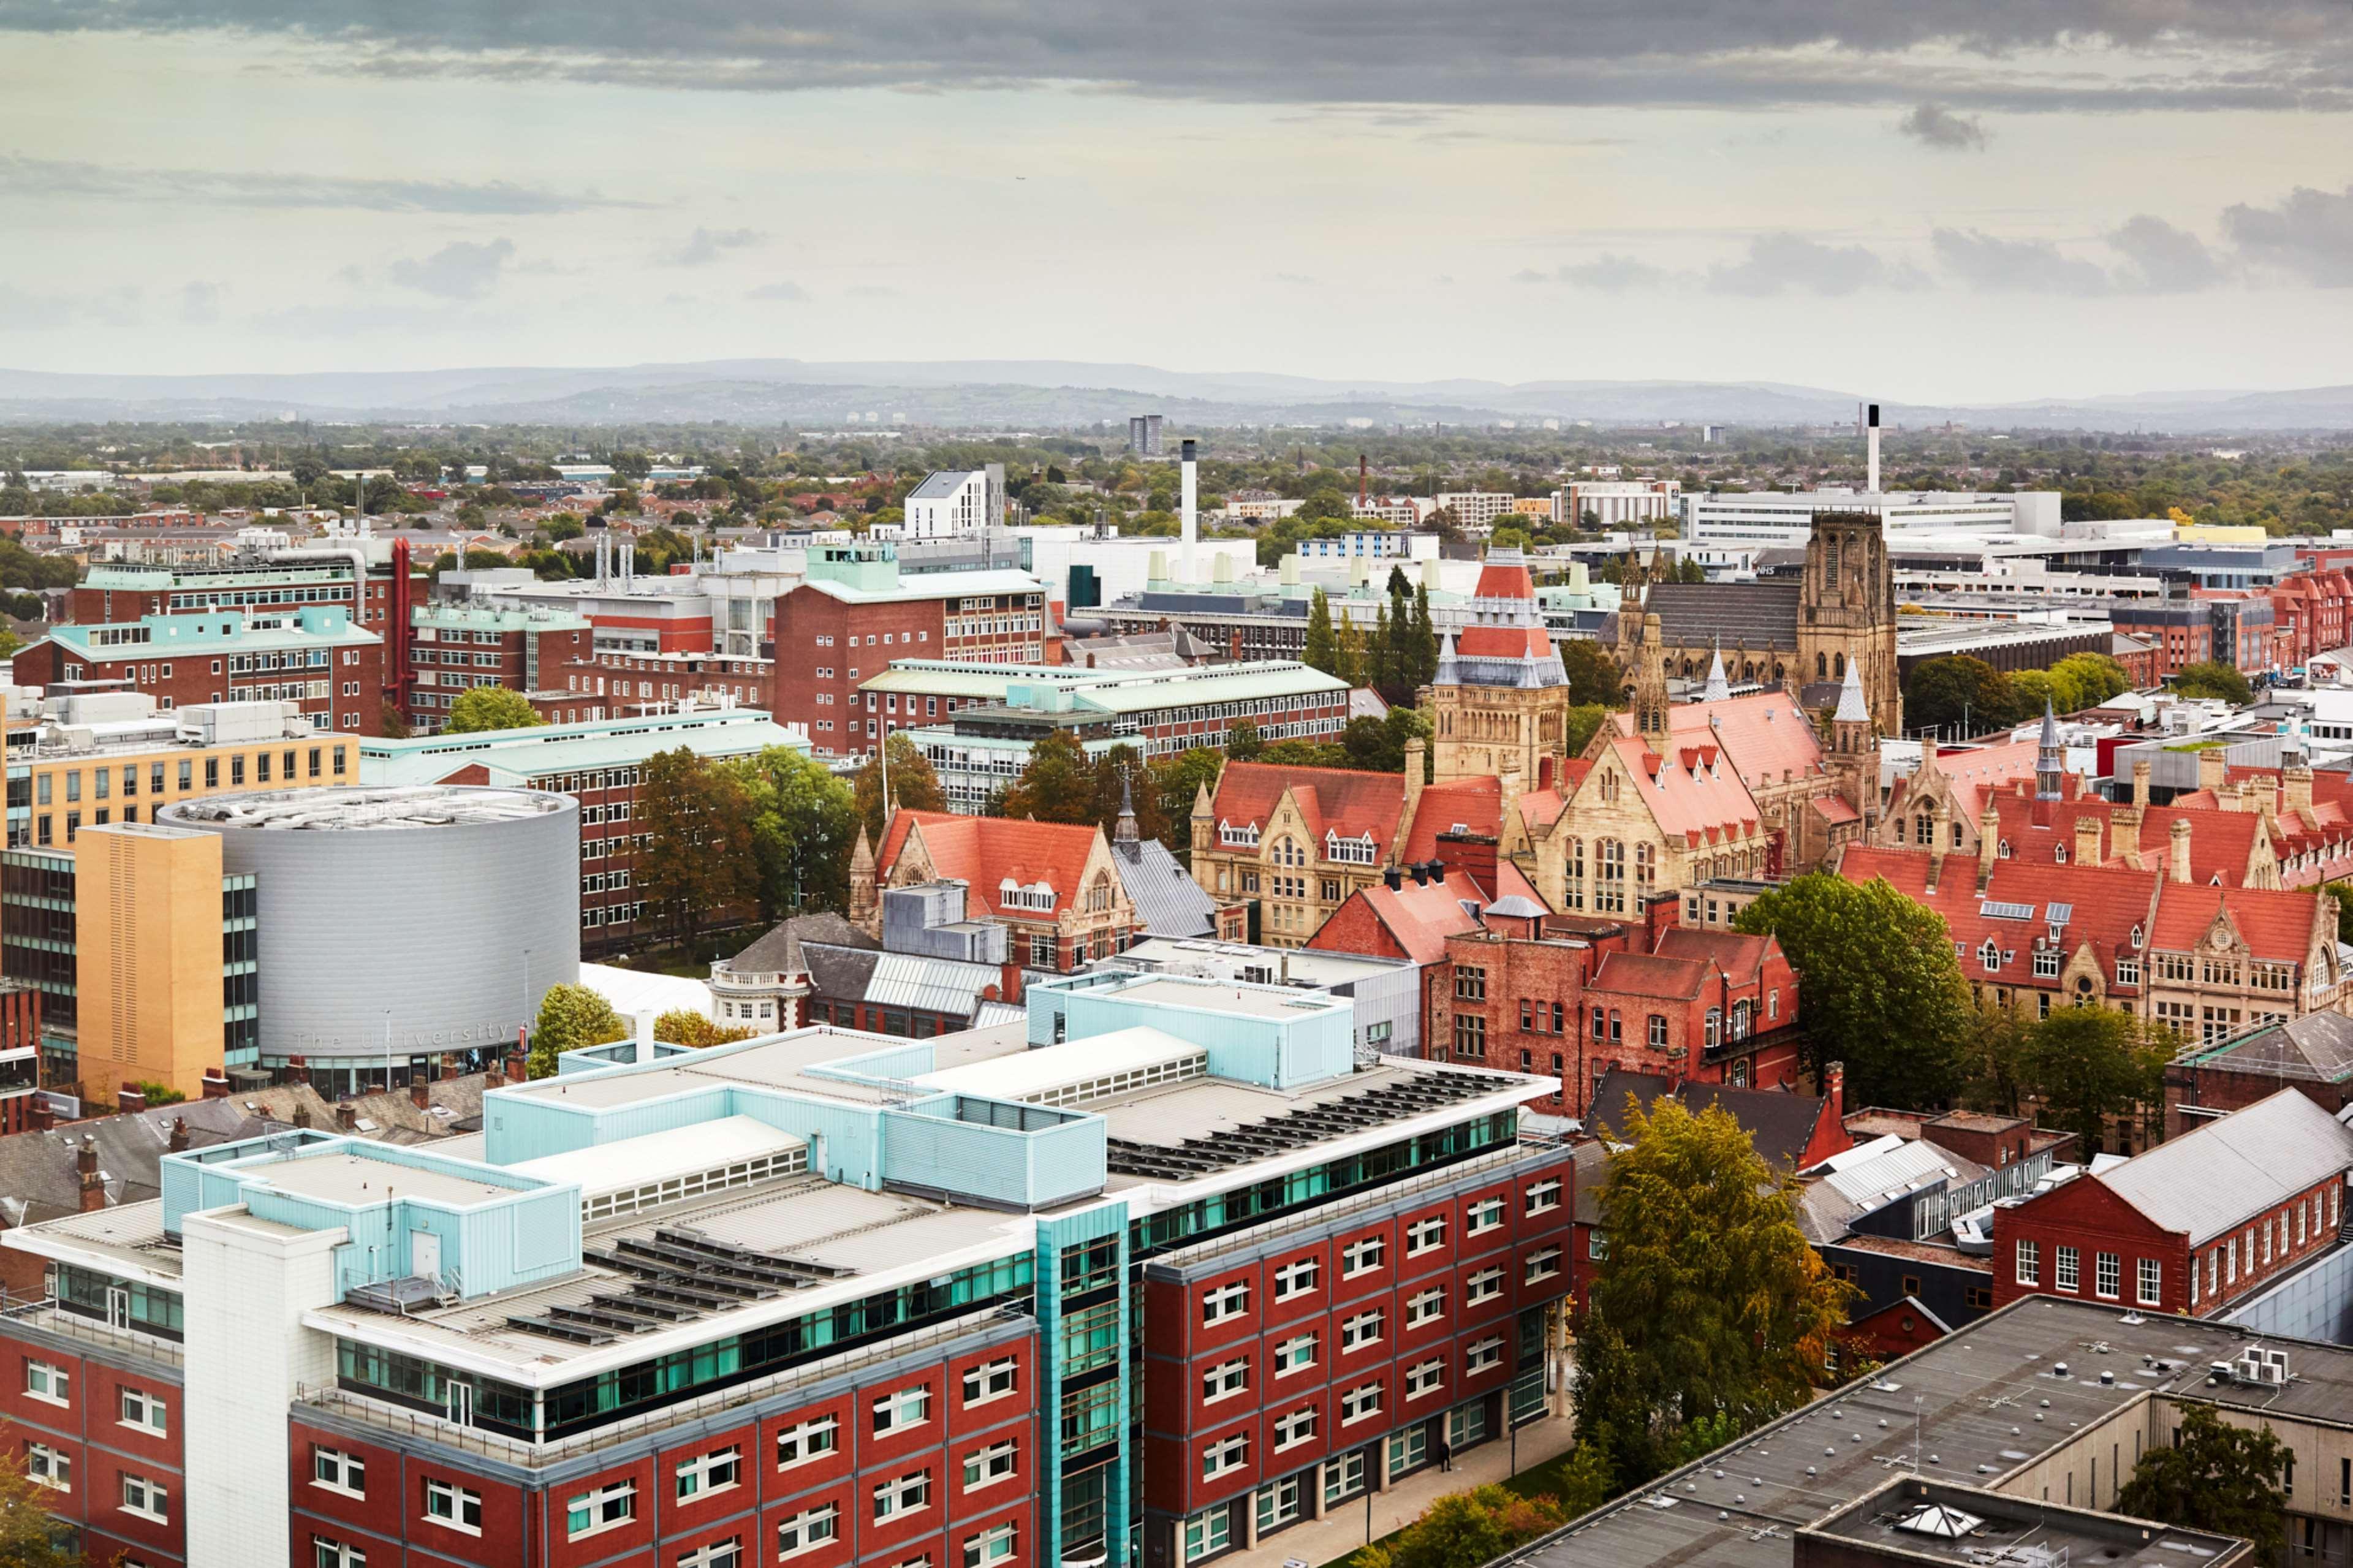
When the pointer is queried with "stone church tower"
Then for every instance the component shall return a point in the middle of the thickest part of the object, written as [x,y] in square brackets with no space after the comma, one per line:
[1846,615]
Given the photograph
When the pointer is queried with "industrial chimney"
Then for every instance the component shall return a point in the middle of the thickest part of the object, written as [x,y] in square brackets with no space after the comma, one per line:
[1188,509]
[1866,425]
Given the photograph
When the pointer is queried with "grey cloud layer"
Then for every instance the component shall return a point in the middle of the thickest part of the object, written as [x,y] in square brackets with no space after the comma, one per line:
[1934,125]
[50,178]
[2260,53]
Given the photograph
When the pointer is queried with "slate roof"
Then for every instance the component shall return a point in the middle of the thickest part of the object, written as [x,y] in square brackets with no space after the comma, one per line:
[1167,902]
[1780,1124]
[1740,615]
[2315,1048]
[2217,1175]
[779,951]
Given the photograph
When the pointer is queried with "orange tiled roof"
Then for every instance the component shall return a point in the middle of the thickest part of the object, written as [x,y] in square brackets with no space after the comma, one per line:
[2220,842]
[985,851]
[1354,804]
[2102,905]
[1692,793]
[1765,734]
[2275,922]
[1419,917]
[1475,804]
[1643,975]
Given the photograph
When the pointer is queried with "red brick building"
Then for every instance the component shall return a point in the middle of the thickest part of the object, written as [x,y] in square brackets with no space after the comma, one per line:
[1051,884]
[453,647]
[856,614]
[314,657]
[2194,1226]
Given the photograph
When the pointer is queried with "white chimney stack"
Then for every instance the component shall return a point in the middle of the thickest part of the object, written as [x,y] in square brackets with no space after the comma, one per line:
[645,1035]
[1866,417]
[1186,511]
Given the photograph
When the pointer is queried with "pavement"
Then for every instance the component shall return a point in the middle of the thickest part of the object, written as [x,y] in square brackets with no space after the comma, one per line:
[1316,1542]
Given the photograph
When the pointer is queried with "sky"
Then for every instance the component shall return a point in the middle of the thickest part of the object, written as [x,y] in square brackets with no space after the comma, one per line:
[1922,200]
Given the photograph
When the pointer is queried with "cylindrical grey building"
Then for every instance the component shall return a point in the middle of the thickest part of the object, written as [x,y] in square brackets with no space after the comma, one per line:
[397,926]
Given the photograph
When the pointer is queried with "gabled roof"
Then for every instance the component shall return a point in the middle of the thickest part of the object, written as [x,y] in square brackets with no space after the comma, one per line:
[986,852]
[1744,617]
[1973,772]
[1167,902]
[2214,1177]
[2099,905]
[1354,804]
[1740,955]
[1765,734]
[779,951]
[2220,842]
[1419,917]
[1468,806]
[2275,923]
[1642,974]
[1693,794]
[1781,1125]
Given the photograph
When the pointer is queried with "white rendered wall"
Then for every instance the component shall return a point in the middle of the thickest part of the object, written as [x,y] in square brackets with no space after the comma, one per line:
[247,1283]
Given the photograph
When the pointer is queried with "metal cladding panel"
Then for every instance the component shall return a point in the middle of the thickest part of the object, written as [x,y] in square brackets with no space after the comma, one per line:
[845,1140]
[991,1164]
[423,927]
[1067,1161]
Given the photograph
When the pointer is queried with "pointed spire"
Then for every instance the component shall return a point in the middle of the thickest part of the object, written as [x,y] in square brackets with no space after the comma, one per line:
[1123,833]
[863,900]
[1718,689]
[1851,708]
[2050,757]
[1202,809]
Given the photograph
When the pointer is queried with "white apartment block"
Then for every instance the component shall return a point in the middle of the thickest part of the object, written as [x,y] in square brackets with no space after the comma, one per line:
[1786,516]
[1476,508]
[1398,511]
[1635,503]
[951,502]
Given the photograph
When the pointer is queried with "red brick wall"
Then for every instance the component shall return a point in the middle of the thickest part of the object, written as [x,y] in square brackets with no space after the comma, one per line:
[2221,1090]
[817,634]
[355,679]
[90,1432]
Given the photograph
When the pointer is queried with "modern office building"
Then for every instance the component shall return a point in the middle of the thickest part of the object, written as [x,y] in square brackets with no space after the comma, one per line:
[1147,1277]
[1144,435]
[1785,517]
[398,933]
[455,647]
[313,657]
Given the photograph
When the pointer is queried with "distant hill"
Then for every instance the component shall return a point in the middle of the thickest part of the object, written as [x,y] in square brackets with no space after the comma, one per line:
[1056,393]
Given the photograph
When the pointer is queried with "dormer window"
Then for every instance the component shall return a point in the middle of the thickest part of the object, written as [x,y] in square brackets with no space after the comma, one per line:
[2136,936]
[1350,851]
[2003,850]
[2059,853]
[1238,835]
[1012,895]
[1990,954]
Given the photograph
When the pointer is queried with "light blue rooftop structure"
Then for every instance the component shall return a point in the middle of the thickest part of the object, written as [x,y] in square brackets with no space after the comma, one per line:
[515,757]
[317,627]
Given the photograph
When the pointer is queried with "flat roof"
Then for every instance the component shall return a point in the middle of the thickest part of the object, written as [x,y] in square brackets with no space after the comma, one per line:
[1214,996]
[676,1152]
[1990,1399]
[1021,1075]
[1937,1522]
[357,1180]
[353,809]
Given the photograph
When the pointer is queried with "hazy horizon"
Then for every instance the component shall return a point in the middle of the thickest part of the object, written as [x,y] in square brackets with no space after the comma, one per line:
[2062,201]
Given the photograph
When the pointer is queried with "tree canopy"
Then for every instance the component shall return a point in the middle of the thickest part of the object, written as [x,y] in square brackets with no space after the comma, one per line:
[2216,1477]
[698,862]
[1709,1304]
[2087,1064]
[491,707]
[1058,785]
[570,1016]
[1878,988]
[1465,1530]
[2212,679]
[1594,677]
[914,786]
[804,826]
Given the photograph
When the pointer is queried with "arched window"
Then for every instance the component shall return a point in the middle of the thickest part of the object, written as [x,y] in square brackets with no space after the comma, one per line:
[1574,866]
[1740,1015]
[1609,877]
[1821,667]
[1646,867]
[1838,667]
[1714,1027]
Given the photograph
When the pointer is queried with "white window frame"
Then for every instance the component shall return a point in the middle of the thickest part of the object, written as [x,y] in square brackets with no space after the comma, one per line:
[143,1412]
[2148,1281]
[1542,1264]
[902,1495]
[991,1546]
[147,1499]
[349,1476]
[1363,1329]
[1296,1427]
[1425,1305]
[2026,1266]
[594,1502]
[2067,1269]
[1225,1301]
[49,1383]
[891,1413]
[1225,1380]
[1544,1197]
[1425,1377]
[1483,1286]
[804,1437]
[1425,1235]
[991,1380]
[49,1466]
[1300,1277]
[1226,1454]
[1208,1532]
[1360,1402]
[2108,1276]
[727,1553]
[987,1467]
[460,1502]
[1286,1359]
[809,1529]
[326,1554]
[1363,1255]
[1483,1216]
[696,1477]
[1483,1355]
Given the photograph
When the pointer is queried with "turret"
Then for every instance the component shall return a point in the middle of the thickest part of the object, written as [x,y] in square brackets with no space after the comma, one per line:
[2050,757]
[864,905]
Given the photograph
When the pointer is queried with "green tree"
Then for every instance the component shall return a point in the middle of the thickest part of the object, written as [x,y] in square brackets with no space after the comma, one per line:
[914,786]
[570,1016]
[389,723]
[1878,987]
[698,862]
[1957,693]
[154,1093]
[1057,785]
[1465,1530]
[1243,742]
[1380,655]
[2095,678]
[1993,1054]
[1177,781]
[29,1536]
[2342,893]
[1322,649]
[491,707]
[2213,681]
[804,826]
[2217,1476]
[1120,774]
[2087,1064]
[1583,720]
[685,1026]
[1594,677]
[1423,641]
[1724,1310]
[1349,661]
